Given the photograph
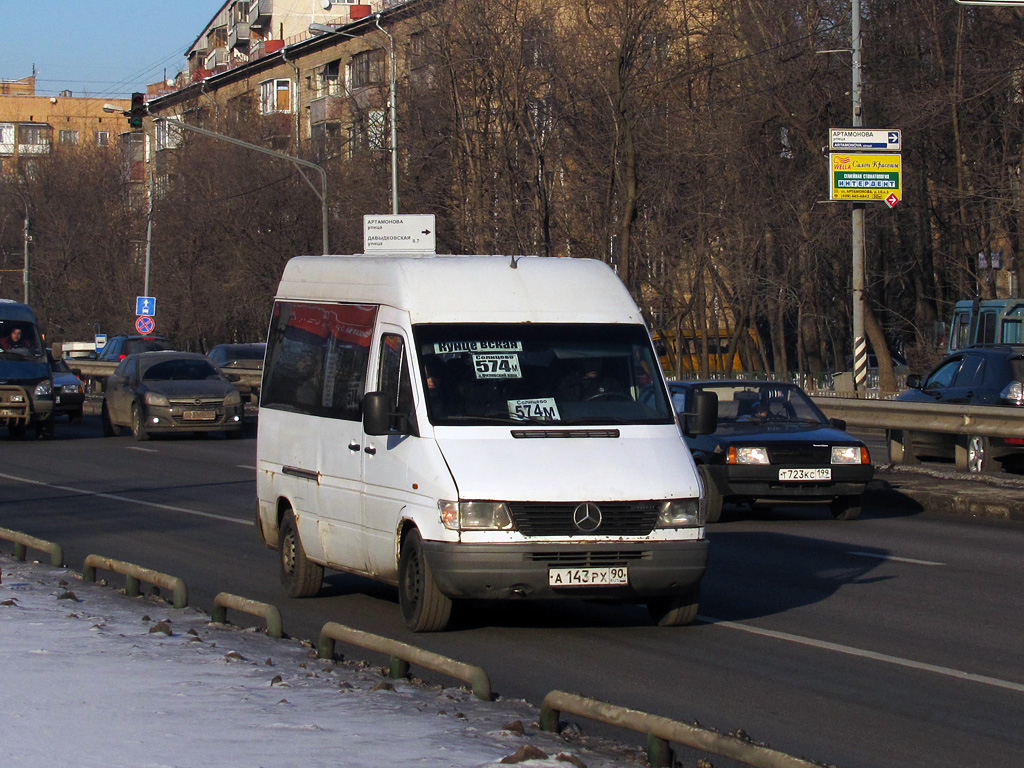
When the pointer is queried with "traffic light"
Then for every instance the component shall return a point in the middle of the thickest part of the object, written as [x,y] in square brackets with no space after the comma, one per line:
[138,110]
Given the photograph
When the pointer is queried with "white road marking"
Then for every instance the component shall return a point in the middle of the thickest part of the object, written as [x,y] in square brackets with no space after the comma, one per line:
[860,652]
[894,558]
[116,497]
[244,466]
[140,448]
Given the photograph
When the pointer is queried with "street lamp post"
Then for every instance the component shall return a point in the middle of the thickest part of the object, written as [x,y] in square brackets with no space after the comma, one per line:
[317,29]
[860,349]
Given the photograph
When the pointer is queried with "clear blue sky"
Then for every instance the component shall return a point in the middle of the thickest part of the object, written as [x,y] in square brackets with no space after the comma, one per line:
[102,48]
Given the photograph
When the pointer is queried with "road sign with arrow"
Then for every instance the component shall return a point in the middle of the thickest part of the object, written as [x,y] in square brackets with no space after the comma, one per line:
[405,233]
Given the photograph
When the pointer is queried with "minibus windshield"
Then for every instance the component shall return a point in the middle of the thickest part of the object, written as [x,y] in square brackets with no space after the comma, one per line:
[540,373]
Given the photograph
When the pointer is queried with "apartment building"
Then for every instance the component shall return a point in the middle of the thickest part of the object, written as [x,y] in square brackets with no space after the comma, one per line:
[30,125]
[323,89]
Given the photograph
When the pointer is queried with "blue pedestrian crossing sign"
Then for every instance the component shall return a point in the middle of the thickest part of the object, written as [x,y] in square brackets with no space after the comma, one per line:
[145,306]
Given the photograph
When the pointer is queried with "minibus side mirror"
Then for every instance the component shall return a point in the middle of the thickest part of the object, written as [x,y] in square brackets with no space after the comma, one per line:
[376,416]
[704,419]
[379,419]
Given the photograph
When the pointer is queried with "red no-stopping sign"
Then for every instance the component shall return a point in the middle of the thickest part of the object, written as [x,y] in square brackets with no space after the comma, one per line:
[145,325]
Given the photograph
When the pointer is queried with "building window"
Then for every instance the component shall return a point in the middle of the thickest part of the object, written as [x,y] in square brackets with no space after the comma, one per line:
[365,68]
[7,138]
[367,134]
[102,138]
[328,83]
[275,96]
[167,136]
[67,137]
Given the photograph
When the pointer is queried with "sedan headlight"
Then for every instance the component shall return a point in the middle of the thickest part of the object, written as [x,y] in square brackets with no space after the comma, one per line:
[155,398]
[475,515]
[747,455]
[681,513]
[233,398]
[43,388]
[1013,393]
[850,454]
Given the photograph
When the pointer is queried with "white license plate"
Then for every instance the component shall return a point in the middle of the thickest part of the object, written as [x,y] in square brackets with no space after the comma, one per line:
[199,416]
[817,473]
[588,577]
[10,412]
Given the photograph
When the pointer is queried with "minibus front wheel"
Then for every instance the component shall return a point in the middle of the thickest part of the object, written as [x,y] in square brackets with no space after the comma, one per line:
[424,607]
[300,575]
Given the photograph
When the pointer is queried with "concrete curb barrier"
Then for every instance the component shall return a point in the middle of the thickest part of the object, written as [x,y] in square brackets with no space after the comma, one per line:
[269,613]
[133,575]
[661,731]
[402,654]
[22,542]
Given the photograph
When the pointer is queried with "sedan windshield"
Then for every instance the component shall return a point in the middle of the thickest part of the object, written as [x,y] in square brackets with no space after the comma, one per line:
[541,374]
[760,403]
[180,370]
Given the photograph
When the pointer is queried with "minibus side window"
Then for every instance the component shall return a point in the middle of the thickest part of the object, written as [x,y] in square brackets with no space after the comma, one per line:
[317,357]
[393,381]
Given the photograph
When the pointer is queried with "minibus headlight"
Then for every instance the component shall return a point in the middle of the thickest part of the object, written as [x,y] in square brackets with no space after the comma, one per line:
[233,398]
[475,515]
[681,513]
[155,398]
[848,454]
[44,388]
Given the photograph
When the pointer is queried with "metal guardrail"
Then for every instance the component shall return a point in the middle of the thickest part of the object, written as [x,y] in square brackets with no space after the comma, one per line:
[269,613]
[22,541]
[661,732]
[98,371]
[987,420]
[133,575]
[401,655]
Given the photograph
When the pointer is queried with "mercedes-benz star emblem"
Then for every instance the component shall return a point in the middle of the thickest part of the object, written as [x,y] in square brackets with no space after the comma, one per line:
[587,517]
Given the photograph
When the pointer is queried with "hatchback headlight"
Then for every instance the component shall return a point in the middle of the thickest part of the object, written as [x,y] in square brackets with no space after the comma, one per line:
[1013,393]
[155,398]
[233,398]
[681,513]
[849,454]
[747,455]
[475,515]
[43,388]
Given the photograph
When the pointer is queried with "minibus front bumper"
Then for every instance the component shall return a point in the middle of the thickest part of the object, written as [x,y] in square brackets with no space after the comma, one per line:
[507,570]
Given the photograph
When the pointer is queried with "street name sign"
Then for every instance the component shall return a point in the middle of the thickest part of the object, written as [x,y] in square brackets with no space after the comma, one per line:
[864,140]
[405,233]
[863,177]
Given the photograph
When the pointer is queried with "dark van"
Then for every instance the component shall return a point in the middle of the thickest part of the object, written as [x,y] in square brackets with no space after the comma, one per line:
[26,382]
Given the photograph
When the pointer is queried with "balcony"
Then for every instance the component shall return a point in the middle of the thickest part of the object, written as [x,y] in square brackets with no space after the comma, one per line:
[238,35]
[327,108]
[260,12]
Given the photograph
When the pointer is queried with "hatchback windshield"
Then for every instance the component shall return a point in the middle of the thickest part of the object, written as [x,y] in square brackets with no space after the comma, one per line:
[541,374]
[180,370]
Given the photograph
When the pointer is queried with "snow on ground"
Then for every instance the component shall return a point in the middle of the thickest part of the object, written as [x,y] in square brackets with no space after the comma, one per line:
[92,679]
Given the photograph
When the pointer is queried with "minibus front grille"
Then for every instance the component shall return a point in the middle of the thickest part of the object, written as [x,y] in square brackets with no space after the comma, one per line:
[588,559]
[549,434]
[634,518]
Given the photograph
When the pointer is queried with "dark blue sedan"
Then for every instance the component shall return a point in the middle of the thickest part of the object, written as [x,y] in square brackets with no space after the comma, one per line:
[773,445]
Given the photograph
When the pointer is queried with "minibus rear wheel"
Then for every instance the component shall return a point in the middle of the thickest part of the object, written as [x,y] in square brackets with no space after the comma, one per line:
[301,576]
[424,607]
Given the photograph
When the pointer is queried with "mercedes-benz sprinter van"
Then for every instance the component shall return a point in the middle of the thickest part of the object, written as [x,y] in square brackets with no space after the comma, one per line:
[484,427]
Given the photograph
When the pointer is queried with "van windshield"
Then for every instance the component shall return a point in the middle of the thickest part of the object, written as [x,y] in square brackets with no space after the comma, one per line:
[540,373]
[19,339]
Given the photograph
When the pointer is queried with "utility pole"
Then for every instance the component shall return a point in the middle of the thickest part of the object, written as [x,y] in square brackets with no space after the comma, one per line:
[860,348]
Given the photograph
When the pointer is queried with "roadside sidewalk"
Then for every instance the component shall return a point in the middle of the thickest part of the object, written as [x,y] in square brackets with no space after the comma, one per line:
[92,678]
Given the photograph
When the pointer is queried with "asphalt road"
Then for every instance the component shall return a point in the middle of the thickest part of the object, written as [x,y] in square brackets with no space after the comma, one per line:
[894,640]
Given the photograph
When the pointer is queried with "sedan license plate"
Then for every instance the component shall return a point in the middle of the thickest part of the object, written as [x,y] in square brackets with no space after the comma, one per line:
[199,415]
[588,577]
[817,473]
